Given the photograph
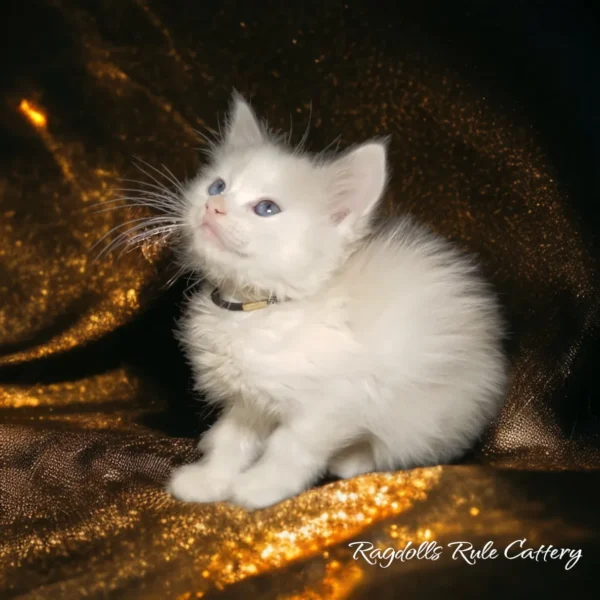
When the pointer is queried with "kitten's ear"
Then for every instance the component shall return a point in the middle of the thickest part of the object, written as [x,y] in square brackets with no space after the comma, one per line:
[357,183]
[243,128]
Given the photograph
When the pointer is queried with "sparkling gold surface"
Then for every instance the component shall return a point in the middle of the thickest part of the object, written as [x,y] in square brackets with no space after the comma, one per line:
[93,391]
[115,385]
[49,250]
[35,116]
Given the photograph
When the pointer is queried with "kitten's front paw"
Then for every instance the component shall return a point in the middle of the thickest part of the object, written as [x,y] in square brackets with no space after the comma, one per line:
[199,482]
[252,492]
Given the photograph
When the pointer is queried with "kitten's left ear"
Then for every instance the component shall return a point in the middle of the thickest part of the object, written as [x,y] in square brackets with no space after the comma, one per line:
[244,128]
[357,183]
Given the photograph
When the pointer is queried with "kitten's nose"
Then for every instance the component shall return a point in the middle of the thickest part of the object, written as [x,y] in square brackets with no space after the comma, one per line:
[216,205]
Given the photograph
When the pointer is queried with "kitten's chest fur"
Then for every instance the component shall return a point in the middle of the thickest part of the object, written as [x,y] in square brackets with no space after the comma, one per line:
[266,357]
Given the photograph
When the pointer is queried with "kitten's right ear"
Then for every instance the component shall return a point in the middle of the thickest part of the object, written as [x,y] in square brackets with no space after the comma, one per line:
[357,182]
[243,128]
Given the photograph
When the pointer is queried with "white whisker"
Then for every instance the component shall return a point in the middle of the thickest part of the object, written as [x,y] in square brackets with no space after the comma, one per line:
[304,138]
[129,243]
[289,139]
[161,188]
[171,179]
[168,176]
[178,184]
[139,224]
[159,184]
[162,207]
[108,233]
[180,271]
[162,194]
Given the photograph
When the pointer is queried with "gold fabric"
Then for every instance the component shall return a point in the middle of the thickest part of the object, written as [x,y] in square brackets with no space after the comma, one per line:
[95,401]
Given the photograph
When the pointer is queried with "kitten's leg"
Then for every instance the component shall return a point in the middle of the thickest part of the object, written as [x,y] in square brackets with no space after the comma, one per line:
[295,456]
[352,461]
[229,447]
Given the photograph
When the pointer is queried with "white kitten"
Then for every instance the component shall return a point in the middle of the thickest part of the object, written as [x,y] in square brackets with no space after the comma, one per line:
[382,352]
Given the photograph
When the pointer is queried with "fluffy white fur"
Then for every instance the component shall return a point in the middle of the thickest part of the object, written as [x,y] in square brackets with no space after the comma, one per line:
[384,351]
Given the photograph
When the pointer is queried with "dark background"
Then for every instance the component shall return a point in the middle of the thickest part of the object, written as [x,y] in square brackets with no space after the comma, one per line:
[541,57]
[537,61]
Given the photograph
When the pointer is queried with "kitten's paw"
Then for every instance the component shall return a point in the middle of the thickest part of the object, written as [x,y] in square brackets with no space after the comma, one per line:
[352,462]
[198,482]
[253,492]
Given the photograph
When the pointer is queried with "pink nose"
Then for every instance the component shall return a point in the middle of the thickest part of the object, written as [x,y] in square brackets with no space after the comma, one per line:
[216,205]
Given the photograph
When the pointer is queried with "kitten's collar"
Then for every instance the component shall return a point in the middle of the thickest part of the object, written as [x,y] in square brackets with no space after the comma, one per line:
[243,306]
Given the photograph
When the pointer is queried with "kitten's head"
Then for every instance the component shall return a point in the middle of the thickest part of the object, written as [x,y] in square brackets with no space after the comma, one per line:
[263,217]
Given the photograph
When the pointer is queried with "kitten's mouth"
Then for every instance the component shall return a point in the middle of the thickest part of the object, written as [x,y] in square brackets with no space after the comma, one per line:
[212,231]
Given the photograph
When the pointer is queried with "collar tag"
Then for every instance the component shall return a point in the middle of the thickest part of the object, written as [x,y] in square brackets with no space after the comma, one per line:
[240,306]
[249,306]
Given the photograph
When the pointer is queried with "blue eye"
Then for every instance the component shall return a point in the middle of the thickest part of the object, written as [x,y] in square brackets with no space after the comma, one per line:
[216,187]
[266,208]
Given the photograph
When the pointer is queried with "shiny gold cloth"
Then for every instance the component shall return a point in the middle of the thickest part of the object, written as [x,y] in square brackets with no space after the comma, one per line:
[95,401]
